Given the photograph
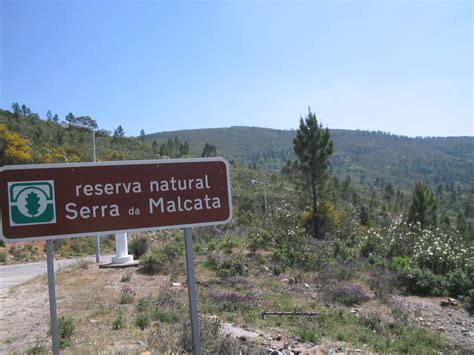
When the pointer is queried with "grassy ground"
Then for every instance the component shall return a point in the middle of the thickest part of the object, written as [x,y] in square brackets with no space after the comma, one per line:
[35,251]
[123,311]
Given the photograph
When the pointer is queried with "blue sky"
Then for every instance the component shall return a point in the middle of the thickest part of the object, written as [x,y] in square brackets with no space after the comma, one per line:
[396,66]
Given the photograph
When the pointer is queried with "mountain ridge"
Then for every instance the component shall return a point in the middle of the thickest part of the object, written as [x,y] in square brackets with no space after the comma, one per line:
[368,156]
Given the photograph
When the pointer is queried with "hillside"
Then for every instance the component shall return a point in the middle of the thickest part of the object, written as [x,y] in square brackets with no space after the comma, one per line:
[371,158]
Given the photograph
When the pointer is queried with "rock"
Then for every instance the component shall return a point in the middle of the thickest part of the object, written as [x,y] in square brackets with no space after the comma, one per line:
[306,285]
[277,337]
[176,284]
[145,353]
[440,328]
[297,351]
[264,267]
[292,281]
[286,280]
[444,303]
[355,310]
[92,321]
[452,302]
[140,343]
[471,334]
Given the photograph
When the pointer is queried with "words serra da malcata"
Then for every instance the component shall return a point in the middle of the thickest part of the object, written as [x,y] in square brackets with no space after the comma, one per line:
[156,203]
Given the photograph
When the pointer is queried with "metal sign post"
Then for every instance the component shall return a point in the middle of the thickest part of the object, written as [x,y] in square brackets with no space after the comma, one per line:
[192,292]
[52,297]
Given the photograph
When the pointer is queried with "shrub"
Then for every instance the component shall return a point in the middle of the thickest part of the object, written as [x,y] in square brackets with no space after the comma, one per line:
[226,265]
[65,328]
[160,259]
[127,276]
[260,238]
[127,295]
[233,301]
[346,293]
[400,263]
[164,309]
[307,333]
[143,320]
[470,300]
[422,281]
[231,266]
[3,257]
[139,246]
[37,349]
[163,316]
[118,322]
[229,244]
[383,283]
[153,263]
[461,281]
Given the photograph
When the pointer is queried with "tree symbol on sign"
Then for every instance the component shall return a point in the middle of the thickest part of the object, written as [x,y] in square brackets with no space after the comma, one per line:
[32,203]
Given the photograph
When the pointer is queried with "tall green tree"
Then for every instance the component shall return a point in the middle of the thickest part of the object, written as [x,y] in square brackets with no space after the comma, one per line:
[313,147]
[16,109]
[208,151]
[142,136]
[70,118]
[423,206]
[119,132]
[86,121]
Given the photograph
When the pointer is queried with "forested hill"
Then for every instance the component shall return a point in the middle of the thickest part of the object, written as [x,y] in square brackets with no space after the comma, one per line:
[367,157]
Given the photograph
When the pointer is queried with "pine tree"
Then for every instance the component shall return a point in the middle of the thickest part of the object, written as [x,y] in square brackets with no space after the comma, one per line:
[312,147]
[208,151]
[142,136]
[119,132]
[16,109]
[423,206]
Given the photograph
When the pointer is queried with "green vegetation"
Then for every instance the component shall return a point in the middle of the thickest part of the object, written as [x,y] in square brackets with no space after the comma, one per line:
[312,147]
[139,246]
[37,349]
[118,322]
[65,328]
[423,206]
[161,259]
[127,295]
[392,215]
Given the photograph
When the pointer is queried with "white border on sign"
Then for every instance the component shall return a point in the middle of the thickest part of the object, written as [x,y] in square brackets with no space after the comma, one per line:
[118,163]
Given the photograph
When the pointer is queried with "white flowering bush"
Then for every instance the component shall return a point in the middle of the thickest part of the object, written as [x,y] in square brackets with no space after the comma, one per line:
[434,249]
[435,261]
[441,252]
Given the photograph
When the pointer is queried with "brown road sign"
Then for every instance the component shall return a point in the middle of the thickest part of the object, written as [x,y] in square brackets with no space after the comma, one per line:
[52,201]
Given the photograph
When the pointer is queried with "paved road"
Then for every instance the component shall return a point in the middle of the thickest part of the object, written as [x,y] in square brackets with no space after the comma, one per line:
[11,275]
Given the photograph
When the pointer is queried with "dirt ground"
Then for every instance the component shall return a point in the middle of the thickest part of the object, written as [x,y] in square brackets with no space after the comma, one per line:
[92,302]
